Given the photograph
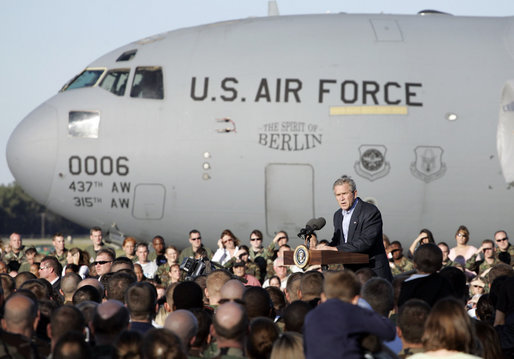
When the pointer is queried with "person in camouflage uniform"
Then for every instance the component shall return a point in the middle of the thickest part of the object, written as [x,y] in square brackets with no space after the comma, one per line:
[256,248]
[96,237]
[281,239]
[17,249]
[447,262]
[229,328]
[195,238]
[502,241]
[163,271]
[30,255]
[16,339]
[60,252]
[398,263]
[488,260]
[250,267]
[258,254]
[270,263]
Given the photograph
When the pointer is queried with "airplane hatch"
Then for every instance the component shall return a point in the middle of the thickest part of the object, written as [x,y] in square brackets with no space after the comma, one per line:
[289,197]
[505,132]
[149,201]
[386,30]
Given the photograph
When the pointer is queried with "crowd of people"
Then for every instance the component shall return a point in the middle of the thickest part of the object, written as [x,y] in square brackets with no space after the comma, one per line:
[144,301]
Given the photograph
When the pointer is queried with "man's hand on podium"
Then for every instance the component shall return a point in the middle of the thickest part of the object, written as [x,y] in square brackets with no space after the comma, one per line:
[324,247]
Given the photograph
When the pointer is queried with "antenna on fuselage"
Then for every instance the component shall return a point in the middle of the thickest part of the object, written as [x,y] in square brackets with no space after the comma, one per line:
[273,8]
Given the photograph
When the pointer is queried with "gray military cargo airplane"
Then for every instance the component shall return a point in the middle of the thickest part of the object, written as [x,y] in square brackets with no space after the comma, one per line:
[246,124]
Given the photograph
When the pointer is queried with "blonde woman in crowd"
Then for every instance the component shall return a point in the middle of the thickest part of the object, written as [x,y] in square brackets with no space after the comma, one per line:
[288,346]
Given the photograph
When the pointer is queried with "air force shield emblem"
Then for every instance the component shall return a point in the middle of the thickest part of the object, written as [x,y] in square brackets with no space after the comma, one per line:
[428,165]
[372,164]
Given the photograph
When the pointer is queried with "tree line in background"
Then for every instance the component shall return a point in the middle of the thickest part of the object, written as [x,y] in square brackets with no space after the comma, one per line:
[20,213]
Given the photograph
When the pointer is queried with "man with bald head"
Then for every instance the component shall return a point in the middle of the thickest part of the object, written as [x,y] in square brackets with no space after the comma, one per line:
[69,285]
[230,327]
[185,325]
[72,345]
[110,319]
[502,241]
[17,249]
[21,317]
[233,289]
[93,282]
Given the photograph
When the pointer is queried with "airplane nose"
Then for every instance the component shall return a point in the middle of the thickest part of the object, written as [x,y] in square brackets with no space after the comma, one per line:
[32,152]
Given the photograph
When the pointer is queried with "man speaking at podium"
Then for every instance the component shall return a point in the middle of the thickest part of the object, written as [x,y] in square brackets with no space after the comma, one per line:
[358,227]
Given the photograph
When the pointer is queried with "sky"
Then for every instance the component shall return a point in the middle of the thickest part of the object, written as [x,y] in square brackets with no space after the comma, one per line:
[46,43]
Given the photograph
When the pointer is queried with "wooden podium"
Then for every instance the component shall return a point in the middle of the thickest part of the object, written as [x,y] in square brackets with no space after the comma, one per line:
[328,257]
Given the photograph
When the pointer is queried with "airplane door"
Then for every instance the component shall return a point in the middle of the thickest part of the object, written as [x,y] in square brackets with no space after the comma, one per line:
[149,201]
[289,197]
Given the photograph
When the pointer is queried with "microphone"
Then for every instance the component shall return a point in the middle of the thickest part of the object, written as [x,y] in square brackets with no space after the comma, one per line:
[312,225]
[318,223]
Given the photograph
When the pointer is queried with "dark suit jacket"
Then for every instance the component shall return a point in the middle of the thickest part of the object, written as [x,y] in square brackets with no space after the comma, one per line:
[364,236]
[57,285]
[334,329]
[430,288]
[55,288]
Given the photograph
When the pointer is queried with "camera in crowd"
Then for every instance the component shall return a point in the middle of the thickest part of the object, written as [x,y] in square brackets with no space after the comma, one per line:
[195,267]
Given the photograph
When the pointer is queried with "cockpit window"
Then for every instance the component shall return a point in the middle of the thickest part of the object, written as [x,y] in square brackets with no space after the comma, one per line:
[88,78]
[147,83]
[83,124]
[115,81]
[127,56]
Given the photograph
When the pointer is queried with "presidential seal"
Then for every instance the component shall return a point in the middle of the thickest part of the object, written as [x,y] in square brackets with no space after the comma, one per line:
[301,256]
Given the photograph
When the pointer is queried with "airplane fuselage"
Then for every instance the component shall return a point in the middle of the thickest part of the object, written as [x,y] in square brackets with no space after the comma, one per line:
[256,118]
